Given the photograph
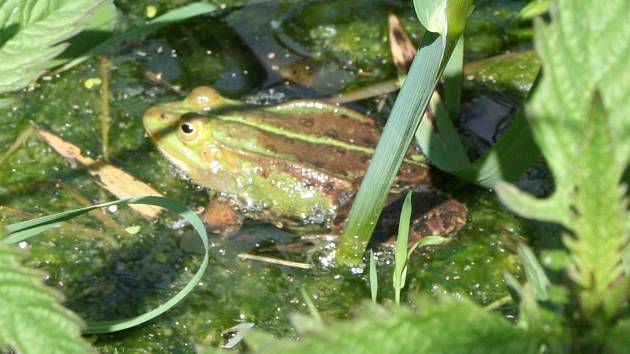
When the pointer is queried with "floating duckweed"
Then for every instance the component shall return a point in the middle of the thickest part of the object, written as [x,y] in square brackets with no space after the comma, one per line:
[151,11]
[92,82]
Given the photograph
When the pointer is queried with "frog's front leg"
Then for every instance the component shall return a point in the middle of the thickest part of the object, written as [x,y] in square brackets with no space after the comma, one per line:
[221,218]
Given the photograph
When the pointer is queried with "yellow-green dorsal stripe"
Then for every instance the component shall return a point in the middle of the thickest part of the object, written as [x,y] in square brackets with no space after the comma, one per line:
[293,135]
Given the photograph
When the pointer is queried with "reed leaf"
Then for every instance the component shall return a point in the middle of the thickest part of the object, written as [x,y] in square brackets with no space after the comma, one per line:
[435,49]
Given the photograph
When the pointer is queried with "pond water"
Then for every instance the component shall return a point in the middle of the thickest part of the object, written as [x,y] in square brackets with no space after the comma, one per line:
[263,52]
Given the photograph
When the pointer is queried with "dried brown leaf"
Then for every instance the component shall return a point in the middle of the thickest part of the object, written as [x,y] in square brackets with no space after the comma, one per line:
[114,180]
[403,50]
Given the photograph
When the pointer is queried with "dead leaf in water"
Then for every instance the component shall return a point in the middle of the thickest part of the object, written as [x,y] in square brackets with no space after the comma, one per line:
[403,50]
[114,180]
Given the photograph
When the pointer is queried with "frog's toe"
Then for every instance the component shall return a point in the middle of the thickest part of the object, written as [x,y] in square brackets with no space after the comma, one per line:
[221,218]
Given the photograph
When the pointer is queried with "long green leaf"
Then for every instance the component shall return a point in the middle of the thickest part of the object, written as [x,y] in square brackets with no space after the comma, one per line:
[426,68]
[33,32]
[32,319]
[453,74]
[168,18]
[23,230]
[505,161]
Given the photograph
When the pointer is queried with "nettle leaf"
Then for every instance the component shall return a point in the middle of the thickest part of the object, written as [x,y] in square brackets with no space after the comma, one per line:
[32,33]
[445,326]
[579,119]
[31,317]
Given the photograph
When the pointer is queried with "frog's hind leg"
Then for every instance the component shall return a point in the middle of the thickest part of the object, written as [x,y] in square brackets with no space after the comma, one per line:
[433,214]
[221,218]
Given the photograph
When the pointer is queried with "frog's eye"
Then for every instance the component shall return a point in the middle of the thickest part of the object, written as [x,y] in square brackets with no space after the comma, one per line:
[187,128]
[189,131]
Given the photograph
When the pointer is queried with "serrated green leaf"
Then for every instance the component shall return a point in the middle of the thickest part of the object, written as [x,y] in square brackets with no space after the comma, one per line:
[33,34]
[99,28]
[578,116]
[32,319]
[444,326]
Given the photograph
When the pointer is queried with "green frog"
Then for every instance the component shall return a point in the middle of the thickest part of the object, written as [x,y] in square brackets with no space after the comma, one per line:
[297,164]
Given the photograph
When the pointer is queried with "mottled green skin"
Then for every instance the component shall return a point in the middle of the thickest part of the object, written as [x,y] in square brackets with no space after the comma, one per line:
[296,164]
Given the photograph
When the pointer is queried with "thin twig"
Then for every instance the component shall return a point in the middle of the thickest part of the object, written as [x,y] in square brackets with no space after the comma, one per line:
[158,79]
[378,89]
[498,303]
[275,261]
[25,134]
[105,119]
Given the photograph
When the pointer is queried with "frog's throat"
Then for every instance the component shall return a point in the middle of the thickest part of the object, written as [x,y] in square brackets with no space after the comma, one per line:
[186,171]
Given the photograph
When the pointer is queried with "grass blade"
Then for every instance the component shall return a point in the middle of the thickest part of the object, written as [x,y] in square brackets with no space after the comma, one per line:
[26,229]
[311,306]
[373,278]
[427,241]
[400,253]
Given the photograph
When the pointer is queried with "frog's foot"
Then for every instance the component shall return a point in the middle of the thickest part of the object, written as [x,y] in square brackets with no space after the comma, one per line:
[432,215]
[444,219]
[221,218]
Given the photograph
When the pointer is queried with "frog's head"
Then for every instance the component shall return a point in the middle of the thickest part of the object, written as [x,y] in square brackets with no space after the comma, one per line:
[182,131]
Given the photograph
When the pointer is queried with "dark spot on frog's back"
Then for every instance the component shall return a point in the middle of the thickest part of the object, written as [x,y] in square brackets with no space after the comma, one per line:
[368,141]
[307,122]
[341,151]
[331,133]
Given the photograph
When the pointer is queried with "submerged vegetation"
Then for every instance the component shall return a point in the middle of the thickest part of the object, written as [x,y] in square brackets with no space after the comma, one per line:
[555,284]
